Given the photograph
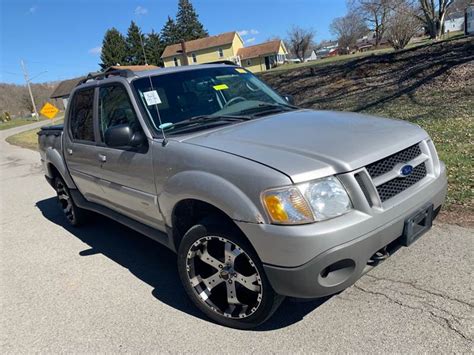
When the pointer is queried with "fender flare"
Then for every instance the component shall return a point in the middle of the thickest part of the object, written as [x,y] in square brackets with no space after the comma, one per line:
[209,188]
[54,158]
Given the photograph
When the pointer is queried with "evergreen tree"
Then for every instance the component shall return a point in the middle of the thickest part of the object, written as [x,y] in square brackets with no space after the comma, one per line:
[114,49]
[169,32]
[187,22]
[135,39]
[154,49]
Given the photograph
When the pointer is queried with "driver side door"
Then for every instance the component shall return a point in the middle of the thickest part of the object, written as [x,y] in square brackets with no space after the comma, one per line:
[127,177]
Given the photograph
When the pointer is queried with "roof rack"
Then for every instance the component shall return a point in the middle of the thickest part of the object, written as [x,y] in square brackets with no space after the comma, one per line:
[226,62]
[126,73]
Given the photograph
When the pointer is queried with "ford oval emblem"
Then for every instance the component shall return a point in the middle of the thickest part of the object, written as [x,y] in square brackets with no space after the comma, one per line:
[406,170]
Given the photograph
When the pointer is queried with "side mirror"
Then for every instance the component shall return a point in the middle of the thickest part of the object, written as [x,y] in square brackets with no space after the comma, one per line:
[290,99]
[123,136]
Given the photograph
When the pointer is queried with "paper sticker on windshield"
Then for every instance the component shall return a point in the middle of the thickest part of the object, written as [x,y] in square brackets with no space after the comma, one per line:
[220,87]
[240,70]
[152,97]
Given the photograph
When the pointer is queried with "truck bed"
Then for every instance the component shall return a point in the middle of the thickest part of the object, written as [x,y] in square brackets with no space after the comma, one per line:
[50,137]
[54,130]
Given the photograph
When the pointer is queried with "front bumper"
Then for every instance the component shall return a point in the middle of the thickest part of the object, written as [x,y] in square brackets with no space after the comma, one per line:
[296,258]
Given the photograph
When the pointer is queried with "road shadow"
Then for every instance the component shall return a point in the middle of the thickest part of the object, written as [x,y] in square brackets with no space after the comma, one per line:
[155,264]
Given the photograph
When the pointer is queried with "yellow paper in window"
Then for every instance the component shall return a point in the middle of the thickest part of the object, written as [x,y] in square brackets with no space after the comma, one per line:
[220,87]
[240,70]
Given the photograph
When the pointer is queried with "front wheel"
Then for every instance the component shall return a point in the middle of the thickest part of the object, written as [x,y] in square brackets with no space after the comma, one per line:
[224,277]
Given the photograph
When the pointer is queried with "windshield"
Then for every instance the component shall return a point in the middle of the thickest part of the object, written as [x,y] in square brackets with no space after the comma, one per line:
[218,91]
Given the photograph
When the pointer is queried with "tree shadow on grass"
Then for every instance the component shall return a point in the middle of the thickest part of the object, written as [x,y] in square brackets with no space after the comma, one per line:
[155,264]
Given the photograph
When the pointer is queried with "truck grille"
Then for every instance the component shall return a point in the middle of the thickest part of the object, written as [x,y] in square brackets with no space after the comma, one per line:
[387,164]
[397,185]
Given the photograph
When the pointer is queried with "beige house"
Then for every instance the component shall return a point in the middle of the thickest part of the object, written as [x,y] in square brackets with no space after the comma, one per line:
[227,46]
[264,56]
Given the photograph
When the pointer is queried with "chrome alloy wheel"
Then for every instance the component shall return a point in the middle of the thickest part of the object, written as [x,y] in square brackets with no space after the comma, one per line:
[65,201]
[224,277]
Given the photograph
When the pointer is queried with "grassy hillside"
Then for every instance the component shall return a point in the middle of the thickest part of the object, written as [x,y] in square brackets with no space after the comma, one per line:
[430,85]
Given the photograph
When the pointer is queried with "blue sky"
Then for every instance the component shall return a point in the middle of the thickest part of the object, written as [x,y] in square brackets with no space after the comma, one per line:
[63,37]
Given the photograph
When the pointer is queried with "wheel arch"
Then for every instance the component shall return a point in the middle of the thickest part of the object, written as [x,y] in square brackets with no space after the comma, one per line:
[211,189]
[56,166]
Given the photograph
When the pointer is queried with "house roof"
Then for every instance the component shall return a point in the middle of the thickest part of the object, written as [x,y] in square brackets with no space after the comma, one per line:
[65,87]
[259,49]
[455,15]
[132,67]
[201,43]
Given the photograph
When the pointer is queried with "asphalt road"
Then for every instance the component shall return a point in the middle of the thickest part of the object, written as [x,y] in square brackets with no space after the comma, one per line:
[106,288]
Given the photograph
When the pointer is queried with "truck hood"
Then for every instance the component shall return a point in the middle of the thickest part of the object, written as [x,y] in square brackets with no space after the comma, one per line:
[309,144]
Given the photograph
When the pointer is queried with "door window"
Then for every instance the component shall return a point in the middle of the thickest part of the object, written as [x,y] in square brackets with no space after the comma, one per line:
[115,109]
[81,117]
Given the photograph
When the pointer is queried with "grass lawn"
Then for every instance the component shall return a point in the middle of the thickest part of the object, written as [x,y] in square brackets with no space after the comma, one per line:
[348,57]
[18,122]
[328,60]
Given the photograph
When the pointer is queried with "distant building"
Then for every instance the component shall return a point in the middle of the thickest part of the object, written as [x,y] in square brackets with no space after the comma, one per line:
[368,42]
[329,49]
[454,22]
[64,88]
[227,46]
[469,20]
[264,56]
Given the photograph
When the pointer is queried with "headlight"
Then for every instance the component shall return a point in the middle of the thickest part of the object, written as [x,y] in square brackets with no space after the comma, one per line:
[305,203]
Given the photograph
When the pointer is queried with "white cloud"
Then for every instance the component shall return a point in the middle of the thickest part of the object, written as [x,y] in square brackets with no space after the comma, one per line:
[243,33]
[250,40]
[33,9]
[95,50]
[140,10]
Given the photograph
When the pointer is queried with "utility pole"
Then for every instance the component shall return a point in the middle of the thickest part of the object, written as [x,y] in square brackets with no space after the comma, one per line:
[143,49]
[27,79]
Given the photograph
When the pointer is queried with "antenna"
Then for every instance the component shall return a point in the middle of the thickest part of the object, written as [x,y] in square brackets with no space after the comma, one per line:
[165,140]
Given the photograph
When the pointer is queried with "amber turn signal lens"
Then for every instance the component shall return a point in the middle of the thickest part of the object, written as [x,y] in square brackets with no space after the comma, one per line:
[287,206]
[276,209]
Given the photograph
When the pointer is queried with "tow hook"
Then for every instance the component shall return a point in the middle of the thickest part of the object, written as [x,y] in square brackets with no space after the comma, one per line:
[379,256]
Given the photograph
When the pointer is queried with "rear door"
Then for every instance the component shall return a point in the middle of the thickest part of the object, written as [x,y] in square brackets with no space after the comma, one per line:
[80,149]
[126,175]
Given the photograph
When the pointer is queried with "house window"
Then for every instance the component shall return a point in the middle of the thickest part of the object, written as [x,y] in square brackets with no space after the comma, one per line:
[194,57]
[220,53]
[176,63]
[249,62]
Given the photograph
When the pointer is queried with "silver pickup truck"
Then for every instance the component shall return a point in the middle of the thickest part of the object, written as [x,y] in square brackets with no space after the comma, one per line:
[260,199]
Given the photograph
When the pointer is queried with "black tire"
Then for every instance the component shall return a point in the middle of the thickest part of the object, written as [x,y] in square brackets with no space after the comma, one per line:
[207,293]
[74,215]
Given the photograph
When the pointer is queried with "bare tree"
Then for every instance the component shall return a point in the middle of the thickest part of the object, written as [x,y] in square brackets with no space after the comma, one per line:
[433,15]
[375,13]
[402,24]
[348,29]
[299,41]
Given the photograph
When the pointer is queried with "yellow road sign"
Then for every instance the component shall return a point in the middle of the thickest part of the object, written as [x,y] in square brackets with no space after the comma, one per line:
[49,110]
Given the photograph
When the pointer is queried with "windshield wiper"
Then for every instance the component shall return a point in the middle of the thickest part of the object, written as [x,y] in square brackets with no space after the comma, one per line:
[205,119]
[268,108]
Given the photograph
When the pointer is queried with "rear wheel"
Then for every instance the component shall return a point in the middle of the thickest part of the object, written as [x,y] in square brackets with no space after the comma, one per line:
[74,215]
[224,277]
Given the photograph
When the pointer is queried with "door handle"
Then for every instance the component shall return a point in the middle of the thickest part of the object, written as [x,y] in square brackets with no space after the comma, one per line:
[102,158]
[69,151]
